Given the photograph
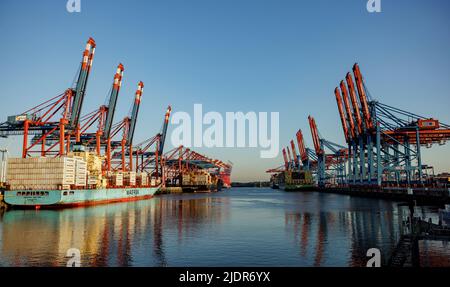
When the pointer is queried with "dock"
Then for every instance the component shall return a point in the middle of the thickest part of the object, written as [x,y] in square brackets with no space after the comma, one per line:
[182,189]
[420,195]
[406,253]
[402,254]
[168,190]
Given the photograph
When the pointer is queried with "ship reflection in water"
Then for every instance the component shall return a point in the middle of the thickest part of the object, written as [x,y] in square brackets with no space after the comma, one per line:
[240,227]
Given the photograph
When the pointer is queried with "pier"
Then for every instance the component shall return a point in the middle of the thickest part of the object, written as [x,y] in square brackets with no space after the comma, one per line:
[406,253]
[382,154]
[168,190]
[420,195]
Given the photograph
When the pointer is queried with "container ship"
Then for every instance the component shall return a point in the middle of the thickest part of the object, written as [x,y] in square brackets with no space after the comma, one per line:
[73,180]
[189,171]
[81,160]
[293,181]
[225,176]
[86,158]
[201,181]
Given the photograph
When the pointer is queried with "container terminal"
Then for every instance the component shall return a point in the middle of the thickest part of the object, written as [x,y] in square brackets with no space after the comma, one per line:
[74,159]
[66,155]
[381,156]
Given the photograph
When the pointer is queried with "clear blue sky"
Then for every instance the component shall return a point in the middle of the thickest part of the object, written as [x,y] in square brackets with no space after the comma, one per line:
[233,55]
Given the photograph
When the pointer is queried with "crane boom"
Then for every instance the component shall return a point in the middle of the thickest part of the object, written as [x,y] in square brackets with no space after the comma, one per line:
[113,101]
[348,110]
[362,97]
[289,154]
[286,162]
[315,136]
[164,130]
[80,89]
[341,113]
[294,153]
[355,104]
[135,112]
[301,146]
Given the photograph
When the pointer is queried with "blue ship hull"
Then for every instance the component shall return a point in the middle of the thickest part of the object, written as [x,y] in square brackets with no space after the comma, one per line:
[78,197]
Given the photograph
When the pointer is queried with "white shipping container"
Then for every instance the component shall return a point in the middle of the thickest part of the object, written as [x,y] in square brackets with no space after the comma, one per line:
[41,187]
[92,180]
[30,173]
[144,179]
[80,171]
[117,179]
[131,175]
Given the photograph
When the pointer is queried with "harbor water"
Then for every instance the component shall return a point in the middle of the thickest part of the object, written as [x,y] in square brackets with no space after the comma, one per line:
[236,227]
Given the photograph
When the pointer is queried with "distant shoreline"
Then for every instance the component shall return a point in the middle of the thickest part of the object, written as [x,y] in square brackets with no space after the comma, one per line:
[251,184]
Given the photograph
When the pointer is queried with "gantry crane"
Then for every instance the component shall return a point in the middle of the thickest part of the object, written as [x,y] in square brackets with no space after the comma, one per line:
[298,171]
[103,117]
[127,126]
[294,154]
[57,117]
[307,156]
[330,166]
[164,130]
[182,161]
[147,159]
[384,142]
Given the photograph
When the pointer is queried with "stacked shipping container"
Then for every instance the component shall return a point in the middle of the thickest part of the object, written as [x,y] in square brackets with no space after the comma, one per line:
[196,178]
[41,173]
[77,170]
[129,178]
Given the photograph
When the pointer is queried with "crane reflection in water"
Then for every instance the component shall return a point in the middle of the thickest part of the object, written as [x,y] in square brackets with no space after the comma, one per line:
[328,234]
[106,235]
[237,227]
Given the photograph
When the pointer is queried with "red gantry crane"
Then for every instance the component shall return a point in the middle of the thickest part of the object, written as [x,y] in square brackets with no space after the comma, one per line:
[103,117]
[182,161]
[127,126]
[57,117]
[294,153]
[296,167]
[148,160]
[330,166]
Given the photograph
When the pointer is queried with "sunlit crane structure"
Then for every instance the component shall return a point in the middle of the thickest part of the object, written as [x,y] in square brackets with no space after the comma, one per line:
[181,161]
[384,142]
[330,165]
[102,118]
[307,156]
[299,170]
[127,126]
[149,152]
[58,117]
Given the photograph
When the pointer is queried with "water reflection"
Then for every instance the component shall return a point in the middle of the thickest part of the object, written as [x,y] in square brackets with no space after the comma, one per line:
[107,235]
[435,253]
[239,227]
[356,229]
